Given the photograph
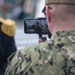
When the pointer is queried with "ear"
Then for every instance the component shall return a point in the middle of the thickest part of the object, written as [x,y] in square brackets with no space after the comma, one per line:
[48,15]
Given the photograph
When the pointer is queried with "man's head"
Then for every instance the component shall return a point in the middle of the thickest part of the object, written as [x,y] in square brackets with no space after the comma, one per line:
[60,15]
[71,2]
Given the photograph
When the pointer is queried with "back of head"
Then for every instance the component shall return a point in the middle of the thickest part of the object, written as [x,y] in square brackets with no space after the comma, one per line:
[62,15]
[70,2]
[67,3]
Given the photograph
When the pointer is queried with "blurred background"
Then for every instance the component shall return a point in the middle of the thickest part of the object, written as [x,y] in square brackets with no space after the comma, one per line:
[19,10]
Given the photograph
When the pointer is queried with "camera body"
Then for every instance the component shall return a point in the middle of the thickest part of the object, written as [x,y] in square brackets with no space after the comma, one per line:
[39,26]
[32,25]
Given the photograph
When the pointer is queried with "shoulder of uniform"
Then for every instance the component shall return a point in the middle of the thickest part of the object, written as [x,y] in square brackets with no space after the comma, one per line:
[8,27]
[2,20]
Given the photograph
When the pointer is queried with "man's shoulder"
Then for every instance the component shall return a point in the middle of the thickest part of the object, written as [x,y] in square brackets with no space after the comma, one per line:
[28,56]
[29,49]
[34,48]
[42,59]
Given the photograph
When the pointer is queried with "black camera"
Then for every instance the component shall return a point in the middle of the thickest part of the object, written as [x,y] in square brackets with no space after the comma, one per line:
[39,26]
[35,25]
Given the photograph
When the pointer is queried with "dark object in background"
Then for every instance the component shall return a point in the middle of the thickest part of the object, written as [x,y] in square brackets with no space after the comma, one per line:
[7,47]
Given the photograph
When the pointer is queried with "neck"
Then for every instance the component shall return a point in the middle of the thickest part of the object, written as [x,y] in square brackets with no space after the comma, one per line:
[65,22]
[69,25]
[62,18]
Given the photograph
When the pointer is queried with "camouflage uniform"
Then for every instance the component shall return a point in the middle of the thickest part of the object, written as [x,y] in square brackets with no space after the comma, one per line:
[54,57]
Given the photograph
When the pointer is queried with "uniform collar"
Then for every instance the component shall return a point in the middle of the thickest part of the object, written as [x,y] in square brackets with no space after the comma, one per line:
[63,34]
[63,37]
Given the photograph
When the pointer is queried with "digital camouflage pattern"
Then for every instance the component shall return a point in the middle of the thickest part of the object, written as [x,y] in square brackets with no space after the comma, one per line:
[54,57]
